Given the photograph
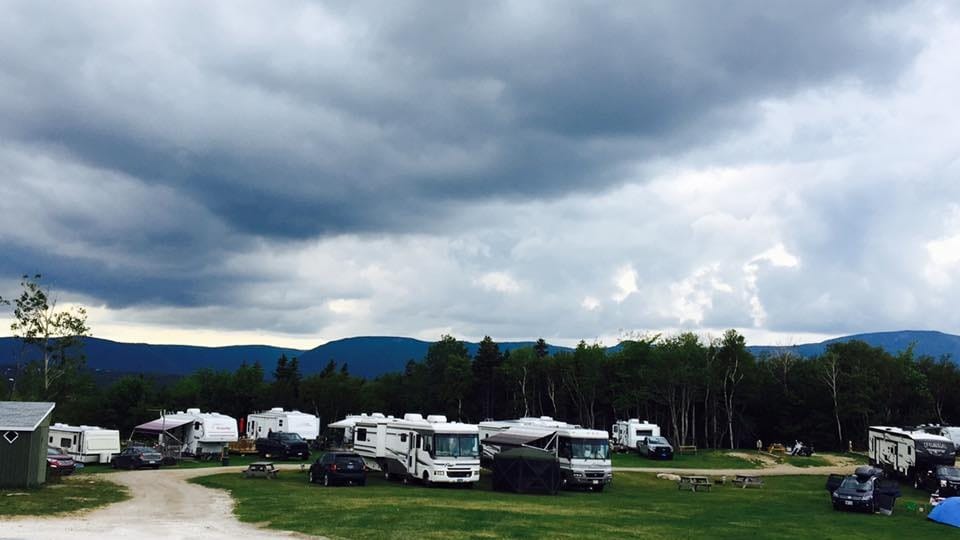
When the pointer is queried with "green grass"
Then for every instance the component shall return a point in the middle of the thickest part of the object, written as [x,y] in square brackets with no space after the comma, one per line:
[636,505]
[67,495]
[812,461]
[704,459]
[193,464]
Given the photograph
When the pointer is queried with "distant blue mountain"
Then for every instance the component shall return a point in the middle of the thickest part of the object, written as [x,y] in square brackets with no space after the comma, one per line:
[926,342]
[372,356]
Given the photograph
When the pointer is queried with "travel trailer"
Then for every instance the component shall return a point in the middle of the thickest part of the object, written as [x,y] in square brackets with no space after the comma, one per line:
[86,444]
[628,434]
[950,432]
[345,428]
[192,433]
[276,420]
[905,453]
[431,449]
[584,454]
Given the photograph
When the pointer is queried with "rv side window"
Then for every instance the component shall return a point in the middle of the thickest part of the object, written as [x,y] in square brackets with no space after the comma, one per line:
[419,442]
[281,423]
[74,439]
[403,437]
[909,451]
[51,440]
[65,442]
[196,425]
[362,434]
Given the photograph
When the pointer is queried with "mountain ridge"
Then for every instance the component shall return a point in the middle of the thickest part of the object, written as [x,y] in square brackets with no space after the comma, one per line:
[369,356]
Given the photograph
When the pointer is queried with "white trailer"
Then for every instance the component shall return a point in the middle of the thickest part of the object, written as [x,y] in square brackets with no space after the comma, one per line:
[431,449]
[628,434]
[192,433]
[904,452]
[86,444]
[277,420]
[584,454]
[348,424]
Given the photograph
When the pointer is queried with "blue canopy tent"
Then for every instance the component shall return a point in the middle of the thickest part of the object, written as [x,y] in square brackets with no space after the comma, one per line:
[947,512]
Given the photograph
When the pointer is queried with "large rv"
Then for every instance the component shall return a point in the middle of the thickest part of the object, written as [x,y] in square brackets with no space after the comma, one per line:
[86,444]
[950,432]
[431,449]
[584,454]
[905,453]
[192,433]
[276,420]
[628,434]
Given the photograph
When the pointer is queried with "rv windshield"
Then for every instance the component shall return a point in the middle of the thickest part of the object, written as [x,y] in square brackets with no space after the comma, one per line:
[456,446]
[584,448]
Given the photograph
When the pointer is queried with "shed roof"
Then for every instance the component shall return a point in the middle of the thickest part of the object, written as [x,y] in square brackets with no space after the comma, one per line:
[23,415]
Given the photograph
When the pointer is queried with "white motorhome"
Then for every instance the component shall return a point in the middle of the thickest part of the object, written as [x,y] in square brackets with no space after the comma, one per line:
[193,433]
[904,452]
[86,444]
[628,434]
[277,420]
[584,454]
[431,449]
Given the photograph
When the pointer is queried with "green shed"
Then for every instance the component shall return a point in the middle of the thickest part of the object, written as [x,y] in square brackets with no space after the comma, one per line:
[24,426]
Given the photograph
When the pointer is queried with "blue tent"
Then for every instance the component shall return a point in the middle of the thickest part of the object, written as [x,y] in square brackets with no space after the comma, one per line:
[947,512]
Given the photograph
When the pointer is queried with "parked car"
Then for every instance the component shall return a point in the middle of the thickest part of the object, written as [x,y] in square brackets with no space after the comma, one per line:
[137,457]
[864,491]
[283,445]
[655,448]
[944,479]
[59,463]
[338,468]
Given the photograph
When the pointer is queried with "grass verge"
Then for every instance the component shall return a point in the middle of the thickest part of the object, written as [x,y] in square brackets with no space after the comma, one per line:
[636,505]
[67,495]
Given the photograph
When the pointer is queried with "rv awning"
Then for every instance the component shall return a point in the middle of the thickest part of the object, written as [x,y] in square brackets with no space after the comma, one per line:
[514,438]
[345,423]
[160,425]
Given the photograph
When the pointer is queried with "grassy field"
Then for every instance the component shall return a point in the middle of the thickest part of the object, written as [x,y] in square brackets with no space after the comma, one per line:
[704,459]
[191,464]
[68,495]
[636,505]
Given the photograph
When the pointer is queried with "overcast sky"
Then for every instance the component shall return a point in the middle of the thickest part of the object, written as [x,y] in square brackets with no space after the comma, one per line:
[295,172]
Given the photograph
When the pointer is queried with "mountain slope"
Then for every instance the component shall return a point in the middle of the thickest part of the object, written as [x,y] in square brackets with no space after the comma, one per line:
[926,342]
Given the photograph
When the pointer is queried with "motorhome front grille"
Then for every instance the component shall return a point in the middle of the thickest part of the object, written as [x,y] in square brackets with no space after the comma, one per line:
[595,474]
[458,474]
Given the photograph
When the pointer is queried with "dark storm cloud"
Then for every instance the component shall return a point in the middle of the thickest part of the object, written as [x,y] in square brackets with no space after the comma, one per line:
[378,116]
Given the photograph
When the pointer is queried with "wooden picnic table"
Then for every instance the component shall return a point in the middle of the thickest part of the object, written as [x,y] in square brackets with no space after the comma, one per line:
[694,483]
[748,480]
[260,469]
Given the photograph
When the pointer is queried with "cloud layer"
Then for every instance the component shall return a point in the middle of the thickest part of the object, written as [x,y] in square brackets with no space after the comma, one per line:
[307,171]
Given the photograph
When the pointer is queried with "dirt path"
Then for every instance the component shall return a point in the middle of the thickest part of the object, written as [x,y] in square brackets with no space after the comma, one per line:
[163,506]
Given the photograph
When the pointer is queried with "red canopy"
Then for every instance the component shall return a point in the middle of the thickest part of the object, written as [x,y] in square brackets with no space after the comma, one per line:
[160,425]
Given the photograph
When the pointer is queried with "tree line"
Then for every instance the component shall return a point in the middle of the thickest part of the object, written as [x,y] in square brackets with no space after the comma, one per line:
[703,392]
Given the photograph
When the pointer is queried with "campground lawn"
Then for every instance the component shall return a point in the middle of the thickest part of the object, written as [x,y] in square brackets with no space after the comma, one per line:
[67,495]
[194,464]
[636,505]
[704,459]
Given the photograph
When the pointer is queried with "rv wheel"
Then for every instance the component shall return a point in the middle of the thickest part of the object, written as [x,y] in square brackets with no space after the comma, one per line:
[386,475]
[426,478]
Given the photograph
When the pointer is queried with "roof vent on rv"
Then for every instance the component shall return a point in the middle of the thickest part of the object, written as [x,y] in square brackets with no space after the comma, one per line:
[193,411]
[276,409]
[546,418]
[634,420]
[437,419]
[413,417]
[377,415]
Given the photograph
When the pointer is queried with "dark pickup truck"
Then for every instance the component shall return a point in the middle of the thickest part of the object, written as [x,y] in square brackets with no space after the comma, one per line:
[283,446]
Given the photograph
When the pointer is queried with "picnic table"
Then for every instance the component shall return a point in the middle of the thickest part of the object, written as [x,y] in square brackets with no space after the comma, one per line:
[260,469]
[694,483]
[748,480]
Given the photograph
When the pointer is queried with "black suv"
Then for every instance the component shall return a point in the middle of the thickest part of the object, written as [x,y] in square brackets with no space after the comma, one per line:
[943,478]
[136,457]
[865,490]
[338,468]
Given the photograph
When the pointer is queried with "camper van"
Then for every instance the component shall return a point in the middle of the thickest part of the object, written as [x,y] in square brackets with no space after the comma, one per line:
[432,449]
[192,433]
[905,453]
[627,435]
[584,454]
[276,420]
[86,444]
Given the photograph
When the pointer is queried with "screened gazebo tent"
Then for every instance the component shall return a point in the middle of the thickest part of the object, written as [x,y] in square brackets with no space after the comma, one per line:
[526,470]
[24,427]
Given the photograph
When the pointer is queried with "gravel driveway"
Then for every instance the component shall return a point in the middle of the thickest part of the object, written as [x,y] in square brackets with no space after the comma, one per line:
[163,506]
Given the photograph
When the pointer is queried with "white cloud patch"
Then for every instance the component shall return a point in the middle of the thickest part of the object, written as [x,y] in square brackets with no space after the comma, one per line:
[501,282]
[625,279]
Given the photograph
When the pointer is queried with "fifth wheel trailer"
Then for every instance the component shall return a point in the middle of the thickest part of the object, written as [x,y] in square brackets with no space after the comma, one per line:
[628,434]
[276,420]
[905,453]
[86,444]
[431,449]
[192,433]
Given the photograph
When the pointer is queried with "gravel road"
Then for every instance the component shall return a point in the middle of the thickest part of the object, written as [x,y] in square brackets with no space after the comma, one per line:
[163,506]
